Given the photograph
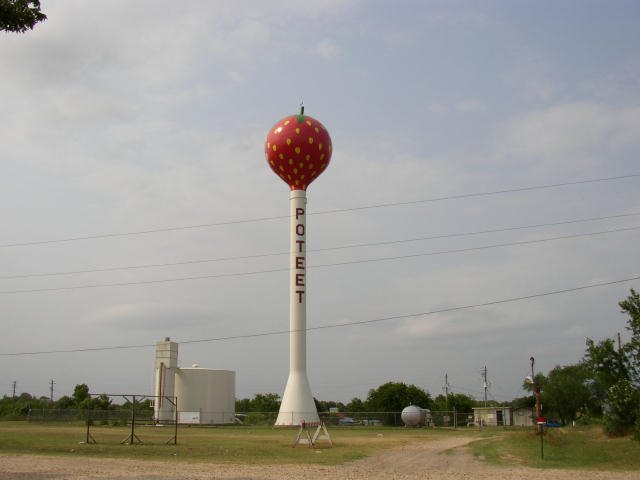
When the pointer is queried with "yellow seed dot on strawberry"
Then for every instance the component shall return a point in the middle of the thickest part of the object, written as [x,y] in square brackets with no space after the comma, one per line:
[316,129]
[301,165]
[287,122]
[310,140]
[310,166]
[319,146]
[281,156]
[281,168]
[288,141]
[322,156]
[295,170]
[297,149]
[307,157]
[291,161]
[308,122]
[274,148]
[297,130]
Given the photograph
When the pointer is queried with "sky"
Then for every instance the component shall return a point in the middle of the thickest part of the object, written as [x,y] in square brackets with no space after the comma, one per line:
[133,177]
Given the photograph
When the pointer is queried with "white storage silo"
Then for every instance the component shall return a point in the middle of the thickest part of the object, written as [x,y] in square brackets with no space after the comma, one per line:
[205,396]
[166,365]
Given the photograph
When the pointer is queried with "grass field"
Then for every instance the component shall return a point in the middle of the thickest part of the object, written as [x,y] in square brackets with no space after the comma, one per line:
[574,448]
[233,444]
[579,448]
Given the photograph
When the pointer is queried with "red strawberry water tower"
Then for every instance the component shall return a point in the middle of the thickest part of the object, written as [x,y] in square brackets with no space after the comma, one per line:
[298,149]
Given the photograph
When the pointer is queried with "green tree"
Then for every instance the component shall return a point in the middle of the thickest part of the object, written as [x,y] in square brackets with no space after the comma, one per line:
[80,393]
[19,407]
[20,15]
[616,373]
[243,405]
[621,410]
[265,402]
[631,306]
[606,362]
[566,392]
[457,401]
[325,405]
[103,402]
[524,402]
[395,396]
[64,403]
[355,405]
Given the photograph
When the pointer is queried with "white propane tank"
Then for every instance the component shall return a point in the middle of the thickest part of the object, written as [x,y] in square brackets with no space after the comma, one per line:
[413,416]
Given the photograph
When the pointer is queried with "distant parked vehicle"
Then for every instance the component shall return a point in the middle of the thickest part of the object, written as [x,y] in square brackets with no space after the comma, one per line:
[346,421]
[552,423]
[374,422]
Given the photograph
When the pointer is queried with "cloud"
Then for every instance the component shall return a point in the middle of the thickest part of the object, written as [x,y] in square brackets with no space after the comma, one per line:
[532,79]
[461,106]
[570,135]
[237,77]
[475,323]
[327,49]
[141,316]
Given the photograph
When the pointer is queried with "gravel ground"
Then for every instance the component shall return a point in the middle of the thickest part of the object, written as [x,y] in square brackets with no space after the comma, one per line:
[416,461]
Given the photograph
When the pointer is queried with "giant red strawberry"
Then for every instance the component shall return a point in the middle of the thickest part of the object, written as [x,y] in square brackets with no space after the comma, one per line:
[298,149]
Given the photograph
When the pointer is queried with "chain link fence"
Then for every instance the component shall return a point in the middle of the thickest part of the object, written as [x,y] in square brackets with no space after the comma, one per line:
[118,417]
[122,417]
[433,419]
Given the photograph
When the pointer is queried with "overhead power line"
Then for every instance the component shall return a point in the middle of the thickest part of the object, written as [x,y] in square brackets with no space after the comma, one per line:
[341,324]
[310,267]
[325,212]
[340,247]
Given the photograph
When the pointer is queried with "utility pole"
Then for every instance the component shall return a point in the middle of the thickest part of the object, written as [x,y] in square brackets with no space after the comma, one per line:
[485,384]
[536,392]
[446,391]
[15,382]
[51,384]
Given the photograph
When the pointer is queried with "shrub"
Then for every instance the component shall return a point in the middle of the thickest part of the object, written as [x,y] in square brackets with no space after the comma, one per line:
[621,412]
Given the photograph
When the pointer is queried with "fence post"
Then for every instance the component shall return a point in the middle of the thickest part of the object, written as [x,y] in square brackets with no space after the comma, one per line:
[133,420]
[175,432]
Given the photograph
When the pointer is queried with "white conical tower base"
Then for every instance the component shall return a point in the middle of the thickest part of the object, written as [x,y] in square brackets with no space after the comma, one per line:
[297,402]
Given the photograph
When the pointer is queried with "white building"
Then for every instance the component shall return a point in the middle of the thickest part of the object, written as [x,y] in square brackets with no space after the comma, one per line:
[200,395]
[492,416]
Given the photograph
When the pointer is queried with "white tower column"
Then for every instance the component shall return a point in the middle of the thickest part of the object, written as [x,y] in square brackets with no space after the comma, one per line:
[297,402]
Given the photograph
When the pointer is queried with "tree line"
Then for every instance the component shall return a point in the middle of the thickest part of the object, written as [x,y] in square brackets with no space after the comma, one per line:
[21,406]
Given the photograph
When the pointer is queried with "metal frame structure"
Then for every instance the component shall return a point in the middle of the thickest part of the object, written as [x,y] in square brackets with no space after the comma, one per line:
[132,438]
[304,436]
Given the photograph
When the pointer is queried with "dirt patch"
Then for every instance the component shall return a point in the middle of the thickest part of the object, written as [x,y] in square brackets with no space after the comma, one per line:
[442,459]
